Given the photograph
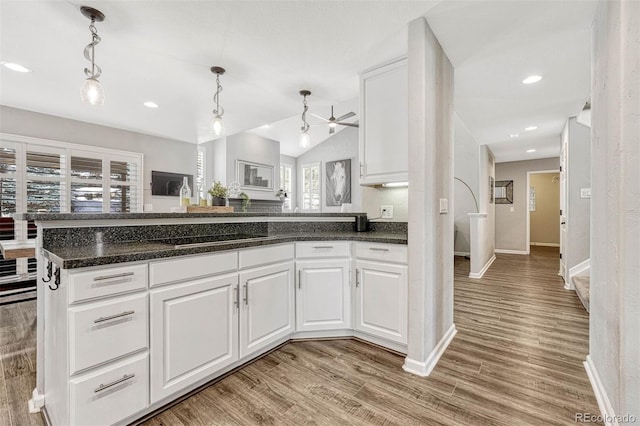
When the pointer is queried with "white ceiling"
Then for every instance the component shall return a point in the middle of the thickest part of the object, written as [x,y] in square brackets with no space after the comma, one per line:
[162,51]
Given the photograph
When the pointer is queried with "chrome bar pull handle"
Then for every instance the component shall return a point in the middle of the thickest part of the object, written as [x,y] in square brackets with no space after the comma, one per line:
[246,294]
[115,382]
[300,279]
[236,300]
[322,247]
[378,249]
[110,277]
[110,317]
[357,277]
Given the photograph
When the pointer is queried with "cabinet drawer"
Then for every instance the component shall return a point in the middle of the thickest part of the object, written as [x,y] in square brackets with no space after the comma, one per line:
[106,282]
[323,249]
[396,253]
[266,255]
[106,330]
[190,267]
[110,394]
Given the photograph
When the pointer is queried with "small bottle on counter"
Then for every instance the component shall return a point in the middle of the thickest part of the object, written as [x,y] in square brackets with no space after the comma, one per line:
[185,193]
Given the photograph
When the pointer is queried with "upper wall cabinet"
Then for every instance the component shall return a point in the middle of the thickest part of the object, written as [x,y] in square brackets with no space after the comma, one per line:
[384,124]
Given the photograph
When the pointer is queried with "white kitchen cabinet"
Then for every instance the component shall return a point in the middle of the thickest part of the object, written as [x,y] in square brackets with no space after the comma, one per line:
[323,295]
[194,332]
[384,125]
[381,300]
[266,306]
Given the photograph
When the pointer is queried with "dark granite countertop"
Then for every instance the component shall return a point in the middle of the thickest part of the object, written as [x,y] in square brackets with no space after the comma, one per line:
[137,216]
[72,257]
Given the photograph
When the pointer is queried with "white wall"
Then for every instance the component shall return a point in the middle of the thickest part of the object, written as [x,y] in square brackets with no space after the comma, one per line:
[466,163]
[374,198]
[343,145]
[614,323]
[578,175]
[483,246]
[430,245]
[511,233]
[253,148]
[159,153]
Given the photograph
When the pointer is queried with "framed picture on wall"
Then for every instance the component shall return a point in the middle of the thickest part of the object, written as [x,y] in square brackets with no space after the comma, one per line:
[168,184]
[255,176]
[504,192]
[338,182]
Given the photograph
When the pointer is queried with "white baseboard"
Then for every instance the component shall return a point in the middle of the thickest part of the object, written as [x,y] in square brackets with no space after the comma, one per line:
[461,253]
[579,268]
[606,409]
[507,251]
[424,368]
[546,244]
[483,270]
[36,402]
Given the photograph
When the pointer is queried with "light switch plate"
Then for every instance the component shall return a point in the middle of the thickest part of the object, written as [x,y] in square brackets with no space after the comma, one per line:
[585,192]
[512,209]
[386,212]
[444,205]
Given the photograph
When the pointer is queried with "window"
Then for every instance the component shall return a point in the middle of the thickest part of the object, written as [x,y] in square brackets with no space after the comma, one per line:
[48,176]
[286,172]
[201,176]
[311,187]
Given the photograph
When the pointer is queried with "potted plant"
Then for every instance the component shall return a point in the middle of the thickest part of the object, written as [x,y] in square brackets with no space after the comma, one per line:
[246,201]
[219,194]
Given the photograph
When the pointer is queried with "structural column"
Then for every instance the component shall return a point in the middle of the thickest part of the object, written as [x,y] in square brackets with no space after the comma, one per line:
[431,325]
[613,363]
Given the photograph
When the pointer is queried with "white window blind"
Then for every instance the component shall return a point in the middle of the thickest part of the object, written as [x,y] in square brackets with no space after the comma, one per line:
[311,187]
[200,172]
[39,175]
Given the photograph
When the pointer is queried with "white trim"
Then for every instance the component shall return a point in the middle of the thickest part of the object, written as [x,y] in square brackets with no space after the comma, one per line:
[36,402]
[424,368]
[484,268]
[545,244]
[478,214]
[579,268]
[576,270]
[606,409]
[461,253]
[509,251]
[66,145]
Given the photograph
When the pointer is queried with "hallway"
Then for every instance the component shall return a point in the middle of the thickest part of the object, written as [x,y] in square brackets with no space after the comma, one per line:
[517,359]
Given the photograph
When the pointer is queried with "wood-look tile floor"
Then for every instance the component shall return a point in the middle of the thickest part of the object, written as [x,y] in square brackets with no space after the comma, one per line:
[516,360]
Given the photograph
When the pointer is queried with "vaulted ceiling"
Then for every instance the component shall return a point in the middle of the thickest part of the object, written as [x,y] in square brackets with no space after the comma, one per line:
[161,51]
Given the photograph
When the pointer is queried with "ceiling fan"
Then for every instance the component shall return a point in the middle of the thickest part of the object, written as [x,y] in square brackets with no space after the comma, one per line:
[333,122]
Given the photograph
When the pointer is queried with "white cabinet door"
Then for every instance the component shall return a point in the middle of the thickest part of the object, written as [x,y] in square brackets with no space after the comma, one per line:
[323,295]
[194,332]
[381,300]
[266,306]
[384,126]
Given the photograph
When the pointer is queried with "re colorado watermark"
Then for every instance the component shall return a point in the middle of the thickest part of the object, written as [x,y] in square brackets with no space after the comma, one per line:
[606,419]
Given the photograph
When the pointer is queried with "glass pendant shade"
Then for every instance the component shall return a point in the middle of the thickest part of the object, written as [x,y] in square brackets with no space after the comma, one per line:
[91,92]
[217,126]
[305,140]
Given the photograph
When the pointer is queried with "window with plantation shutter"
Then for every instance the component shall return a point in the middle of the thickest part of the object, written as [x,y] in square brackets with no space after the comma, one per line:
[201,172]
[55,177]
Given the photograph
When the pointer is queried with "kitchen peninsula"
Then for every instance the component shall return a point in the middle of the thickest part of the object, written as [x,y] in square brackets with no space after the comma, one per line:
[137,310]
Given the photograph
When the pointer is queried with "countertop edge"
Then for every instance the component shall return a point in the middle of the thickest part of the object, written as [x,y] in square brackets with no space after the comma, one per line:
[75,263]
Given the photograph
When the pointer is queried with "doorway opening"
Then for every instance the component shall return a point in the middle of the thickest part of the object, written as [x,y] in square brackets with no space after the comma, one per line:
[543,220]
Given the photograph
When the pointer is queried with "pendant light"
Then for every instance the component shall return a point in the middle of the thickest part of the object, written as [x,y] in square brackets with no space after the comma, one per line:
[304,140]
[217,126]
[91,91]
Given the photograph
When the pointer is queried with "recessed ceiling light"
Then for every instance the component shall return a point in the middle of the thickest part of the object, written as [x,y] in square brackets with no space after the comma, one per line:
[514,135]
[150,104]
[531,150]
[266,126]
[530,128]
[532,79]
[16,67]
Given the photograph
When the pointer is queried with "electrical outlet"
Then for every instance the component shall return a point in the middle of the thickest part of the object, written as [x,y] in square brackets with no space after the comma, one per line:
[386,212]
[585,192]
